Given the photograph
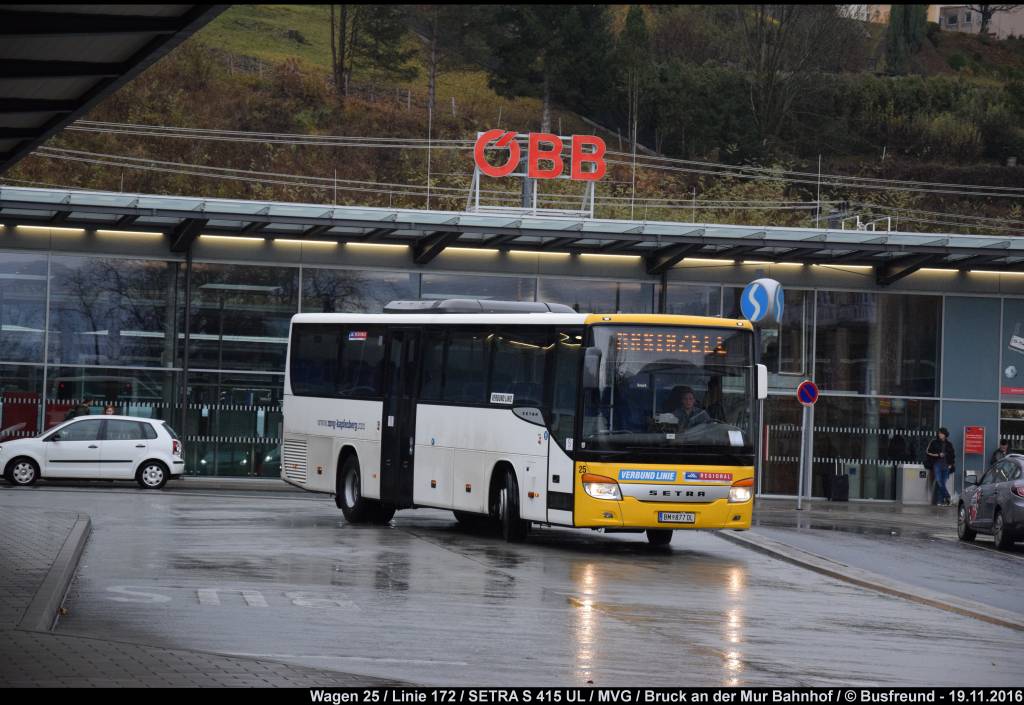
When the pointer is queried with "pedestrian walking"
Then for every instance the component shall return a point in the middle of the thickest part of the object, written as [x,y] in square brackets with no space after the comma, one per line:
[941,460]
[1001,452]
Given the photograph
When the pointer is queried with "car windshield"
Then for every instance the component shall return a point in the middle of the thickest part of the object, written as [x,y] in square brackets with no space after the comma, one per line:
[668,387]
[171,431]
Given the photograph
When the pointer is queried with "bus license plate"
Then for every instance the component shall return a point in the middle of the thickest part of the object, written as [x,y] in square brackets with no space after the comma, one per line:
[677,517]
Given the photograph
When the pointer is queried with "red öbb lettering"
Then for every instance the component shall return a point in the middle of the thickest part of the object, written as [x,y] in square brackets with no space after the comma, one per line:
[543,155]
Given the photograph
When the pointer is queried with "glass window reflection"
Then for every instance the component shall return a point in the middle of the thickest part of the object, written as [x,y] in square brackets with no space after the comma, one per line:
[107,311]
[354,291]
[694,299]
[591,296]
[132,392]
[21,388]
[878,343]
[22,306]
[240,316]
[235,427]
[869,438]
[455,286]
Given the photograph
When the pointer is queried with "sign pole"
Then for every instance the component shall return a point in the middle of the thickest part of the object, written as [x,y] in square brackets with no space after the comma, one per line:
[805,433]
[807,395]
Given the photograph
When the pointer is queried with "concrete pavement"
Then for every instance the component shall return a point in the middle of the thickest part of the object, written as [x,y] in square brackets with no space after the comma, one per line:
[39,551]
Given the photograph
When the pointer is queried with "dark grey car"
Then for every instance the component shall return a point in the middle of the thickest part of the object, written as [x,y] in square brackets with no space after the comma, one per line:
[995,504]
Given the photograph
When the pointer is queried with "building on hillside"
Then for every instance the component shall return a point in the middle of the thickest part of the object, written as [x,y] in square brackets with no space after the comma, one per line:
[961,18]
[876,14]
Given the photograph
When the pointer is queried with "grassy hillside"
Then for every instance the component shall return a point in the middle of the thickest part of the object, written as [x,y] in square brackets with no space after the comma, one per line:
[267,68]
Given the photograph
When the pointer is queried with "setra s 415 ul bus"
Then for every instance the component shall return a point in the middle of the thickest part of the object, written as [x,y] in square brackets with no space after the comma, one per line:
[521,413]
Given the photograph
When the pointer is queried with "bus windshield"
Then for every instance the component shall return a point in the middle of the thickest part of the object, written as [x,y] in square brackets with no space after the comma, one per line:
[684,389]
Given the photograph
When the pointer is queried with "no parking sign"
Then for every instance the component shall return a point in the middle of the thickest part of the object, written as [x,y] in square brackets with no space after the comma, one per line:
[807,393]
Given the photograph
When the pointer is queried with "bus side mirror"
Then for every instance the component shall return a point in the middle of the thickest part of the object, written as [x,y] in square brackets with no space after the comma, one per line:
[591,367]
[762,382]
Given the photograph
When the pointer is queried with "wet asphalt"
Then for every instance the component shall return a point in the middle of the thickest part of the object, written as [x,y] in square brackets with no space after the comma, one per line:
[281,576]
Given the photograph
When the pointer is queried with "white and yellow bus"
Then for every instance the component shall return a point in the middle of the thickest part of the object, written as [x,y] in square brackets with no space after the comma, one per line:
[523,413]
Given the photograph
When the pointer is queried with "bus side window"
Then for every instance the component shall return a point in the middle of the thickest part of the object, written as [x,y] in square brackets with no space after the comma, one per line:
[433,364]
[518,364]
[314,359]
[361,362]
[565,384]
[465,378]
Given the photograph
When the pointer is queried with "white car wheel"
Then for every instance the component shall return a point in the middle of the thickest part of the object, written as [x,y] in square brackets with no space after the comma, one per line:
[23,472]
[152,475]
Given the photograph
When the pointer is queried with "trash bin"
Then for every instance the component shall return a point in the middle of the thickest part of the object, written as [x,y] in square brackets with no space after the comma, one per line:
[916,489]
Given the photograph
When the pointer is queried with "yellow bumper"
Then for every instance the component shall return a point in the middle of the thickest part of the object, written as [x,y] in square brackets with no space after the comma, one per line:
[632,513]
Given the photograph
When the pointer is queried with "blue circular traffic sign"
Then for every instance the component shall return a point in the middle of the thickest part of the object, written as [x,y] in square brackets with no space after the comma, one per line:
[762,301]
[807,393]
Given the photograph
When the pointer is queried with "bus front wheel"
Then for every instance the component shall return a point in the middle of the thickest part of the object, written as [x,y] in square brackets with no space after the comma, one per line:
[513,529]
[349,495]
[659,537]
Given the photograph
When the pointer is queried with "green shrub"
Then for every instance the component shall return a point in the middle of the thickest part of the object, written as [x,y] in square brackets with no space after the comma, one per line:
[947,136]
[957,61]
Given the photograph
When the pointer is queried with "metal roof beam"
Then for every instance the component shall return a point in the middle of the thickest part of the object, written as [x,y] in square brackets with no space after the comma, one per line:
[186,233]
[797,253]
[16,133]
[666,258]
[53,24]
[253,227]
[976,260]
[429,247]
[854,255]
[125,220]
[30,68]
[498,240]
[895,269]
[619,245]
[559,242]
[738,251]
[59,217]
[376,234]
[35,105]
[315,231]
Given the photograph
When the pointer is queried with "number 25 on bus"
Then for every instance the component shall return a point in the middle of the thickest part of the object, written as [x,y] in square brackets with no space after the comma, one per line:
[525,413]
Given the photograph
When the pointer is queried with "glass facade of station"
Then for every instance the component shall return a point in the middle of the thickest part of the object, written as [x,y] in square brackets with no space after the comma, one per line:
[204,348]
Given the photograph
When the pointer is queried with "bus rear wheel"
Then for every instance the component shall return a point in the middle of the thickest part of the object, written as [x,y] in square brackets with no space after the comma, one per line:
[659,537]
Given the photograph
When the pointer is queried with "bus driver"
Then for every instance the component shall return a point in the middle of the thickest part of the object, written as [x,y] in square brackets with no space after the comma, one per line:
[687,414]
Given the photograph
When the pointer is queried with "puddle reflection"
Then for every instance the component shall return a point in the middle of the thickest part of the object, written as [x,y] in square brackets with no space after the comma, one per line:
[584,618]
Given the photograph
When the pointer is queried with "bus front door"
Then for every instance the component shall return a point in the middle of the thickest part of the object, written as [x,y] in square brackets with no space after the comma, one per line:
[398,437]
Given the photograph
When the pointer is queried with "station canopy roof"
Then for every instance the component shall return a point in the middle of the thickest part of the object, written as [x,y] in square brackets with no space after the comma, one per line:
[661,244]
[58,61]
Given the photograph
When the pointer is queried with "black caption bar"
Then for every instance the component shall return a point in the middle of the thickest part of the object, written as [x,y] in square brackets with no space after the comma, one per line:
[669,696]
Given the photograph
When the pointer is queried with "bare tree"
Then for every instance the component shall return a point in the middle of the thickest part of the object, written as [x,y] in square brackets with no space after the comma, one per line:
[345,24]
[987,11]
[783,47]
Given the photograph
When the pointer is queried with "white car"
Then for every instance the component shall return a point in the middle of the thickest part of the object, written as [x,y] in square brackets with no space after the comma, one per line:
[97,448]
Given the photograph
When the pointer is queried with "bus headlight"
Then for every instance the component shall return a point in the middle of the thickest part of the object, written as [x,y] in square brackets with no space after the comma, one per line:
[742,490]
[739,494]
[600,487]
